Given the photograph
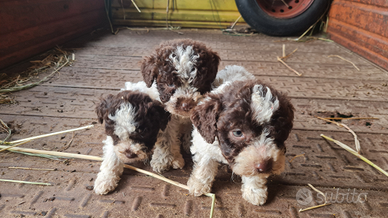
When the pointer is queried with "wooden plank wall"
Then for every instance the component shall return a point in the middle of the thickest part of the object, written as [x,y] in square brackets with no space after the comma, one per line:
[29,27]
[182,13]
[361,26]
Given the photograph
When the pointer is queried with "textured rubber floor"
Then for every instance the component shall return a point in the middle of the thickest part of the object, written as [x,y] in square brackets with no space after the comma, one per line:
[328,87]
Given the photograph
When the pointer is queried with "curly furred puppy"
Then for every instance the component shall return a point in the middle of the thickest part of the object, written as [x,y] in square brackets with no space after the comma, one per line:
[133,121]
[243,124]
[230,74]
[183,71]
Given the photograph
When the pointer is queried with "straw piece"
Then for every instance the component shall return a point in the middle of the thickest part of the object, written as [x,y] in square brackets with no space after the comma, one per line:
[317,206]
[68,144]
[3,126]
[311,186]
[51,134]
[356,141]
[25,182]
[345,60]
[235,22]
[89,157]
[284,51]
[281,61]
[299,155]
[351,118]
[53,153]
[136,6]
[342,145]
[313,207]
[14,89]
[29,168]
[287,56]
[9,147]
[285,4]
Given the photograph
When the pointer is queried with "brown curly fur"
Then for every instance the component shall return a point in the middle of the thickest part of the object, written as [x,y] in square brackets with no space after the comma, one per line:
[155,67]
[150,116]
[222,112]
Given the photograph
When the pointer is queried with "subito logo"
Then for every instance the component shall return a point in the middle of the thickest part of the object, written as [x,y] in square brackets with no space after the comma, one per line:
[304,196]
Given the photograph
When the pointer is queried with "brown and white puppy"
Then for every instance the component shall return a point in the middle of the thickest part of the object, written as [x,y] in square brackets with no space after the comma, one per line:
[133,121]
[243,124]
[183,70]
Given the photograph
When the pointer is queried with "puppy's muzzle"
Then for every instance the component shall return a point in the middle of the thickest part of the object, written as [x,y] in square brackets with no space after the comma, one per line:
[186,104]
[265,166]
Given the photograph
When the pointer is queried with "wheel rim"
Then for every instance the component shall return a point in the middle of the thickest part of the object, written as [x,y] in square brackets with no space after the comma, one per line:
[284,9]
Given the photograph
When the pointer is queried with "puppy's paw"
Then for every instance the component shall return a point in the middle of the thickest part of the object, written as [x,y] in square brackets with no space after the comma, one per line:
[178,163]
[160,165]
[104,184]
[197,188]
[255,196]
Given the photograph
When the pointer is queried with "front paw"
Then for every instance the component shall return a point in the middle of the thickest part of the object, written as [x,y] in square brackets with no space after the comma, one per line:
[159,165]
[178,163]
[255,196]
[197,188]
[105,184]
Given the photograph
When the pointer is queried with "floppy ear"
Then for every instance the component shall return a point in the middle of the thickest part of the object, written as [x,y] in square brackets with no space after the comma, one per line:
[204,118]
[149,70]
[215,60]
[102,108]
[208,68]
[159,114]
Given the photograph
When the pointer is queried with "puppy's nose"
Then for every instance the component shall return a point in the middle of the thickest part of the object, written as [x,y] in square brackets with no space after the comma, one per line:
[130,154]
[265,166]
[186,106]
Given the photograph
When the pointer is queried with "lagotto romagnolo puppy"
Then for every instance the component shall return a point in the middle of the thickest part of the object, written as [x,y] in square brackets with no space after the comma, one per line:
[183,70]
[133,119]
[243,124]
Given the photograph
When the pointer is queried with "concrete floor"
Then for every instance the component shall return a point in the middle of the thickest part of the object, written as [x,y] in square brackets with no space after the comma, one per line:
[329,86]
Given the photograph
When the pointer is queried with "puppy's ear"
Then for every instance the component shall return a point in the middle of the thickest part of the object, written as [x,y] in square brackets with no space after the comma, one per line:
[102,109]
[282,121]
[215,60]
[204,118]
[149,70]
[159,114]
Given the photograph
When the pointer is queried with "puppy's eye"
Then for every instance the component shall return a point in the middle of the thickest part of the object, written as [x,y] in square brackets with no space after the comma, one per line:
[238,133]
[140,130]
[171,85]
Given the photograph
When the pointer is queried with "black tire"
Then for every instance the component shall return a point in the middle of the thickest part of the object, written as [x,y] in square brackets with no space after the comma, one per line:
[269,25]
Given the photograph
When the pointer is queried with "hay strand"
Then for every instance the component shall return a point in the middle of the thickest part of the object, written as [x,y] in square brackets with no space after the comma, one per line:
[95,158]
[349,149]
[9,147]
[356,141]
[313,207]
[345,60]
[5,128]
[18,88]
[317,206]
[351,118]
[30,168]
[137,8]
[51,134]
[25,182]
[284,63]
[296,156]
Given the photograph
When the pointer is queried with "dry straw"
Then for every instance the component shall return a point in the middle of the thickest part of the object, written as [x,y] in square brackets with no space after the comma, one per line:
[95,158]
[317,206]
[345,60]
[356,141]
[349,149]
[25,182]
[280,59]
